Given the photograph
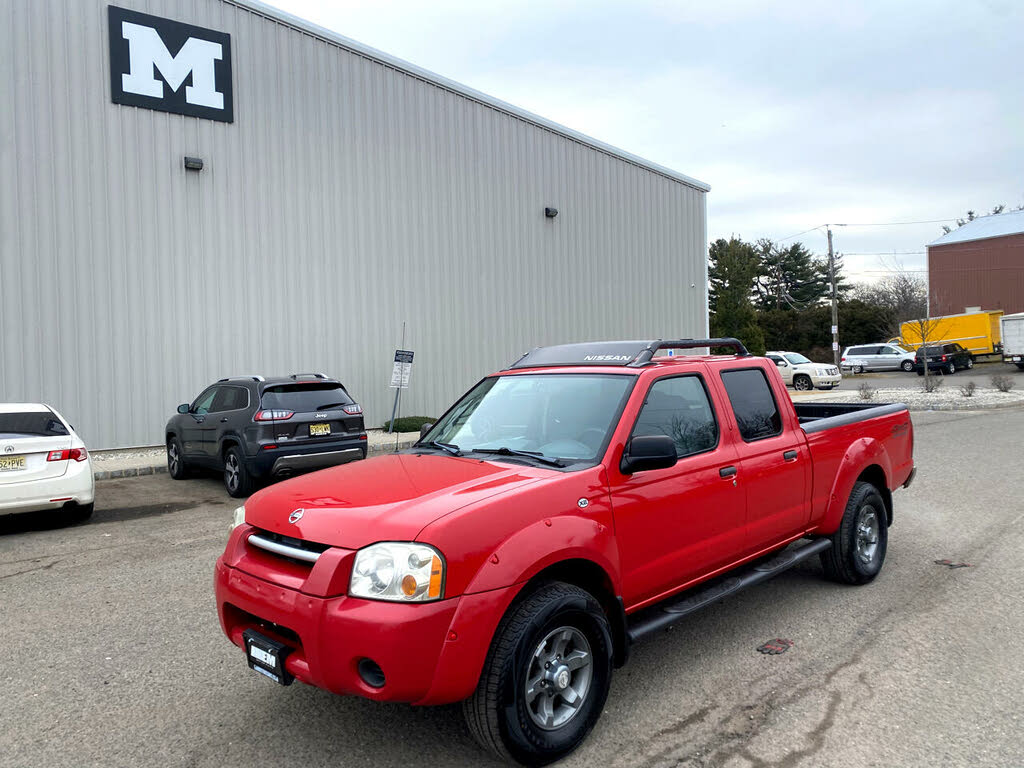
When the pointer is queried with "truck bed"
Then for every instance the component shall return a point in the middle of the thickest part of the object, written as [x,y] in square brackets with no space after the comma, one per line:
[817,417]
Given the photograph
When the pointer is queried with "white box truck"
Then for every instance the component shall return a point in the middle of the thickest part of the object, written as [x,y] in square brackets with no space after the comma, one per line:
[1013,339]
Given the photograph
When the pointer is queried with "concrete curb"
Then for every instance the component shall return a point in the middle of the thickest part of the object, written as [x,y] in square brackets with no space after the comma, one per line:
[161,467]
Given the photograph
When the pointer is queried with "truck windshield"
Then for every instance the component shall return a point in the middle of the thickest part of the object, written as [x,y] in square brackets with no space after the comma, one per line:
[565,416]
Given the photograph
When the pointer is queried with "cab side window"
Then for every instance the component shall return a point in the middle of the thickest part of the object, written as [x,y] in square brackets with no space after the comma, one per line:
[679,407]
[753,403]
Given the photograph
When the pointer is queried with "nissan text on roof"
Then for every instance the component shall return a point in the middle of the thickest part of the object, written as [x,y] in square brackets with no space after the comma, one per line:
[562,510]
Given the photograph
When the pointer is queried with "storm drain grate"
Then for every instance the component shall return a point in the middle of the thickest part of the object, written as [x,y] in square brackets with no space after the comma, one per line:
[950,564]
[775,647]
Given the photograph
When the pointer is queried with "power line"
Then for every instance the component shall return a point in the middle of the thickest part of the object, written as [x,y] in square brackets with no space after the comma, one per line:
[871,224]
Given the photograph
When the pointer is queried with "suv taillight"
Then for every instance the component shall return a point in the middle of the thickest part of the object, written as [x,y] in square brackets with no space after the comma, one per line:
[73,454]
[943,359]
[275,415]
[353,409]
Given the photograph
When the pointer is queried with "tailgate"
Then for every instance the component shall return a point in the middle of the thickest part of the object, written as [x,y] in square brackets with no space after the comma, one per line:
[313,411]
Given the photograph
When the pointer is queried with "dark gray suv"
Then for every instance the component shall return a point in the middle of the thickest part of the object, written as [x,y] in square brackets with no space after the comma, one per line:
[250,427]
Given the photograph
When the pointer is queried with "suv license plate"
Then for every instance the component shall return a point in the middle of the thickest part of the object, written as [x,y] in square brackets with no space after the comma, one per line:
[315,430]
[11,463]
[266,656]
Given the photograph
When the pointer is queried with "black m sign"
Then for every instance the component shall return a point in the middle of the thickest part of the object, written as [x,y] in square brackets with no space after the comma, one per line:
[166,65]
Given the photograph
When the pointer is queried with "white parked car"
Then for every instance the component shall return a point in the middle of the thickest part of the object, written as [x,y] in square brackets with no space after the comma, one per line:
[800,373]
[43,464]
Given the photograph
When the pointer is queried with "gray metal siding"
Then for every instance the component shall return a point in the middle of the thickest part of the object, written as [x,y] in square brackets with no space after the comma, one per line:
[128,284]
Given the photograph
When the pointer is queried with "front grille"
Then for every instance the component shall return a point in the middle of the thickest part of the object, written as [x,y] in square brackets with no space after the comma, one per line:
[285,546]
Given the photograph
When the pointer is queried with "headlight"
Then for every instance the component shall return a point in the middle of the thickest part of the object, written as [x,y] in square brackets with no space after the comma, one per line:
[239,517]
[822,372]
[403,572]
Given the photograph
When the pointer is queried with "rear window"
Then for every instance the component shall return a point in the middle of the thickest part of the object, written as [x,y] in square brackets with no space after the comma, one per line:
[31,424]
[756,412]
[305,398]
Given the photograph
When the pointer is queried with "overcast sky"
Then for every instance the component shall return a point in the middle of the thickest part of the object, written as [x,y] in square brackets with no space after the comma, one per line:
[796,114]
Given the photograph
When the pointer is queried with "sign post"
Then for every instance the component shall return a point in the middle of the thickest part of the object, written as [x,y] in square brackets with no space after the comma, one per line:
[399,380]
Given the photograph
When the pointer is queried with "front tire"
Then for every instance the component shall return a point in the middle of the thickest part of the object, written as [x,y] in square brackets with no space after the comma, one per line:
[802,383]
[907,366]
[176,466]
[237,479]
[546,677]
[859,546]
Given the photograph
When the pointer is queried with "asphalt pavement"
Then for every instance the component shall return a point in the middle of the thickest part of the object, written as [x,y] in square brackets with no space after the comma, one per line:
[981,374]
[112,654]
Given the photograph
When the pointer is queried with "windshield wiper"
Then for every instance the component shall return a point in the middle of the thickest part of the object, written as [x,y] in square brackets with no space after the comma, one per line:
[447,447]
[505,451]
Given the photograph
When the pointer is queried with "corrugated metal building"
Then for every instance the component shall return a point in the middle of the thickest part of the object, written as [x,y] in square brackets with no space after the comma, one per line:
[341,193]
[980,264]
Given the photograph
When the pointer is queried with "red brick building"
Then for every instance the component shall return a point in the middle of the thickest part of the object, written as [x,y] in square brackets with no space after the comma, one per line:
[980,264]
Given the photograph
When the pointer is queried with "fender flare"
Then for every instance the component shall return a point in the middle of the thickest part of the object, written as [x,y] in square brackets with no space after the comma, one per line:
[862,453]
[545,543]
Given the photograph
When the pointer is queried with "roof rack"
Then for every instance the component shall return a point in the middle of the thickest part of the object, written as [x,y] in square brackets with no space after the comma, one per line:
[631,354]
[297,376]
[249,377]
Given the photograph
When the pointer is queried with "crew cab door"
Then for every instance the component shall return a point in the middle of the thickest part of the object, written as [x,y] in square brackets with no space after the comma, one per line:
[673,525]
[774,461]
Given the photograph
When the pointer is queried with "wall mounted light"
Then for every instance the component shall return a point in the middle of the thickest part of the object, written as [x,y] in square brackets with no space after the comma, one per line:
[193,163]
[551,212]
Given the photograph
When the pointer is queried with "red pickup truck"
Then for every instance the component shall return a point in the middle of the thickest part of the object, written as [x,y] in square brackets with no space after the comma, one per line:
[561,510]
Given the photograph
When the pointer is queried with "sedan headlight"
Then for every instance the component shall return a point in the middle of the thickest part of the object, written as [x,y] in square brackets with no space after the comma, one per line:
[239,517]
[399,571]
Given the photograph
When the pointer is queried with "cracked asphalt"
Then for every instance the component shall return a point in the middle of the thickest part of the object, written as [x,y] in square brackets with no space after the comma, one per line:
[112,655]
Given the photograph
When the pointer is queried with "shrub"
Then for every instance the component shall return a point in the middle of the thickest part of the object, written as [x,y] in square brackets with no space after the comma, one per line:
[932,383]
[866,391]
[1002,382]
[967,390]
[409,423]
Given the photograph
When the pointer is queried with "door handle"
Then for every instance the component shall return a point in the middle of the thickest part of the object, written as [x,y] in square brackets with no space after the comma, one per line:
[790,455]
[199,419]
[727,472]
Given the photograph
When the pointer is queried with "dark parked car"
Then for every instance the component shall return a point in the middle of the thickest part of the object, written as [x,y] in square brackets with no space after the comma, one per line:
[948,358]
[251,427]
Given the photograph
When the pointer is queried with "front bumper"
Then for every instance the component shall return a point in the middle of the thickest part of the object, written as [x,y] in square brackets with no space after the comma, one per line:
[75,486]
[430,653]
[826,382]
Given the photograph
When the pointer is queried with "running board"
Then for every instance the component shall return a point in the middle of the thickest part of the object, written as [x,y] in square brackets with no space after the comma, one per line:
[659,617]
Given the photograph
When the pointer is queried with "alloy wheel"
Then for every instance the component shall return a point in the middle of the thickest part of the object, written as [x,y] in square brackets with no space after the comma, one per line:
[231,471]
[558,677]
[867,534]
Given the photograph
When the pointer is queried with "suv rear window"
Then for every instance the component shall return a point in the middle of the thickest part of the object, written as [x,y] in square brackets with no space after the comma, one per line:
[305,398]
[31,424]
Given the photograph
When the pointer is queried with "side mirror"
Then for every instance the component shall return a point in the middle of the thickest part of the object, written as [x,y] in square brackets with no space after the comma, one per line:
[424,428]
[183,408]
[648,452]
[780,363]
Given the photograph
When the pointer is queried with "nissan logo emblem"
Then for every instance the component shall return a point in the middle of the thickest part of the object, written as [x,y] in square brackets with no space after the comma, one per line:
[295,516]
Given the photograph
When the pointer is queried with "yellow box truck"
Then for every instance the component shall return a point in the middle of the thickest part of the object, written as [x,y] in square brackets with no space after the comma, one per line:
[976,331]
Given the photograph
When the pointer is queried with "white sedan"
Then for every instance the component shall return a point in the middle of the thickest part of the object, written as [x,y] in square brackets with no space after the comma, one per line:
[43,464]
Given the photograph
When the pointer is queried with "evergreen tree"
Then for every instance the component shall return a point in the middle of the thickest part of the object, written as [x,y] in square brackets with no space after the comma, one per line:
[732,269]
[791,277]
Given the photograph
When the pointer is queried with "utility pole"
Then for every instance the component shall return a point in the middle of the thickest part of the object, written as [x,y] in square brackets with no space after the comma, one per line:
[835,306]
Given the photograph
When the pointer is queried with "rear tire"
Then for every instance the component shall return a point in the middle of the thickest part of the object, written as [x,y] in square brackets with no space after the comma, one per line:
[952,367]
[920,373]
[554,643]
[907,366]
[1020,366]
[237,479]
[176,466]
[80,513]
[859,546]
[970,363]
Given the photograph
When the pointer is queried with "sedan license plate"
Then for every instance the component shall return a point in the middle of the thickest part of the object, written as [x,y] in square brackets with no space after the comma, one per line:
[8,463]
[266,656]
[316,430]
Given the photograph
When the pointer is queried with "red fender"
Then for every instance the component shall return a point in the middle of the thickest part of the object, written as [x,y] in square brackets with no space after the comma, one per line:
[861,454]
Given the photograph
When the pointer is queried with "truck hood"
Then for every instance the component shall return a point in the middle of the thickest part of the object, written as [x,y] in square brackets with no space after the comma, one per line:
[388,498]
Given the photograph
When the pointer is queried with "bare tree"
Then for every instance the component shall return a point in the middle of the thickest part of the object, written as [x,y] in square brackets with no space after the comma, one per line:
[902,292]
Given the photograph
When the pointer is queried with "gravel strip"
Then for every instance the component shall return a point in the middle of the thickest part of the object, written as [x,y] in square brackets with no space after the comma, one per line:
[945,398]
[131,462]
